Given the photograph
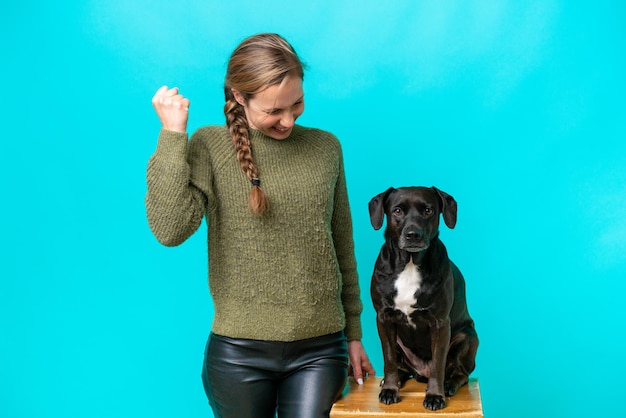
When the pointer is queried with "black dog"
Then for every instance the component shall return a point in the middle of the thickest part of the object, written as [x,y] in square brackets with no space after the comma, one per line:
[424,326]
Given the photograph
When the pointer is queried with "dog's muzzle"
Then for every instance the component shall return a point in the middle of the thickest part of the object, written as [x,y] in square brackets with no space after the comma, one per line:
[413,239]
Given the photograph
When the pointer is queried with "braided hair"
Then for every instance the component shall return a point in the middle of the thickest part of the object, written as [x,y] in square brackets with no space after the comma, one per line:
[258,62]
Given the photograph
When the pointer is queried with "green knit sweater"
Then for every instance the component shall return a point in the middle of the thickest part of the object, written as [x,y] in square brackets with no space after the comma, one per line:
[286,276]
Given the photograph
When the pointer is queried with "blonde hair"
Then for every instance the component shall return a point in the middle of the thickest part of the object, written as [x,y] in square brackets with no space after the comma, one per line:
[258,62]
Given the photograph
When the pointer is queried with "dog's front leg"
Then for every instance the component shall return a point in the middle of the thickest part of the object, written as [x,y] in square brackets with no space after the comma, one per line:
[435,397]
[390,391]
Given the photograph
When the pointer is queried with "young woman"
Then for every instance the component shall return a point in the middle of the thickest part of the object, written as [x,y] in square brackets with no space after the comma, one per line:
[282,270]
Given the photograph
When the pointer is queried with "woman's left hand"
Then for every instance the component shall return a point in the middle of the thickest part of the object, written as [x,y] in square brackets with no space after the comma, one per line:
[360,365]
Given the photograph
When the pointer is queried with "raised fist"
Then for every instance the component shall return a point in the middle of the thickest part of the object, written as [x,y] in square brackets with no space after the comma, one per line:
[172,109]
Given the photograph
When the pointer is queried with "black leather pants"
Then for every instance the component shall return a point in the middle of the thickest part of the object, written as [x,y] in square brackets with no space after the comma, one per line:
[255,379]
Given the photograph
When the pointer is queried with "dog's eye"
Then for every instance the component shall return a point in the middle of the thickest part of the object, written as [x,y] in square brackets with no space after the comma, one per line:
[397,211]
[428,211]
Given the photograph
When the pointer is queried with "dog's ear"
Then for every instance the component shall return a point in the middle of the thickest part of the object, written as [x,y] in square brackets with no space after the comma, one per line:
[448,208]
[377,208]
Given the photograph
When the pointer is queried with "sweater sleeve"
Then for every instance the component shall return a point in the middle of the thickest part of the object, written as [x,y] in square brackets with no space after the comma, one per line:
[174,206]
[344,246]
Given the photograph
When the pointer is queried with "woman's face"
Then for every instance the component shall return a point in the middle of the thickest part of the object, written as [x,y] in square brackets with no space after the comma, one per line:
[274,110]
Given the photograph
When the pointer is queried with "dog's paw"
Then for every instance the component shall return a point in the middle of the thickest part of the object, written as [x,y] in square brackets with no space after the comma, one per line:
[450,390]
[452,386]
[389,396]
[434,402]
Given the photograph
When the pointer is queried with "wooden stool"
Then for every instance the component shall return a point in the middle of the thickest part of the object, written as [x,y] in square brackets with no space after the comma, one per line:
[362,401]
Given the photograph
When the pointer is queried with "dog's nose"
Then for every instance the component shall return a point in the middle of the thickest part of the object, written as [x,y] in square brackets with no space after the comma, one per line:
[414,235]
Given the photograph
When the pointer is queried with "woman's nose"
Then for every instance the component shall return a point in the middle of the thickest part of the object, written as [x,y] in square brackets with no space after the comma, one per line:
[287,120]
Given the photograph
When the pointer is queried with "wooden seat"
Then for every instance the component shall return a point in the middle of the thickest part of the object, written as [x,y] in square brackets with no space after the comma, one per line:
[362,401]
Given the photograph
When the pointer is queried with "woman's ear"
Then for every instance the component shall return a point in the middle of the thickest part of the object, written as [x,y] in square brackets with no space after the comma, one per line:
[239,97]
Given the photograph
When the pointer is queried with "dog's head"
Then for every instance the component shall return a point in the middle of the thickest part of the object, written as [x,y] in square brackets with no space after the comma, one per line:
[412,215]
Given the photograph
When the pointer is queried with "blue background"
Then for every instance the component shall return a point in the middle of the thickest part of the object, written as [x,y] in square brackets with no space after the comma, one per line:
[517,109]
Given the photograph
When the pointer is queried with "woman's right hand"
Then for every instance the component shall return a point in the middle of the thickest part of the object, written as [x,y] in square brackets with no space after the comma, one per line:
[172,109]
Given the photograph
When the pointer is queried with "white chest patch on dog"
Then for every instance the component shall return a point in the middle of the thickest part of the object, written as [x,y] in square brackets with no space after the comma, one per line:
[407,284]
